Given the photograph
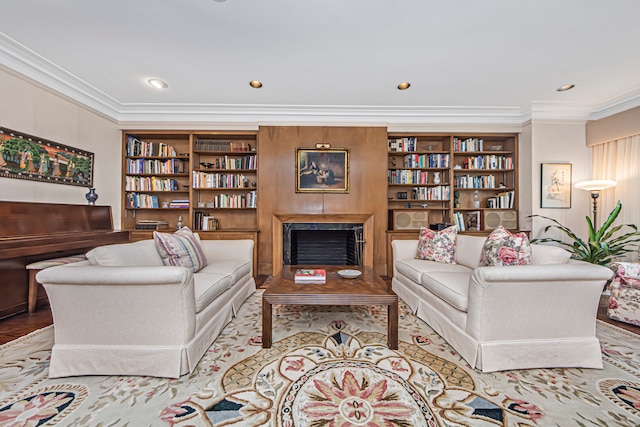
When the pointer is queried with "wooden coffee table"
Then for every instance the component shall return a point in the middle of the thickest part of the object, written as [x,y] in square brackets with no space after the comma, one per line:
[368,289]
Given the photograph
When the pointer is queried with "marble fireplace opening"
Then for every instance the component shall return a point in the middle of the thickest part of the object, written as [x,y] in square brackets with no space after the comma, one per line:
[322,243]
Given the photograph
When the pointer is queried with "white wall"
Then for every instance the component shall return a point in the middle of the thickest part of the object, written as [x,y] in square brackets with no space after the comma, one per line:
[29,108]
[560,142]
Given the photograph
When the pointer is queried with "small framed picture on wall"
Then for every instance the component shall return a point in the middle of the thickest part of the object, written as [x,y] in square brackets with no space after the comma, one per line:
[555,186]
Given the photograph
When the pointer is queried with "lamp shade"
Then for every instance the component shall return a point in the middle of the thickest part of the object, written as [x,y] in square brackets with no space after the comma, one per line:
[596,185]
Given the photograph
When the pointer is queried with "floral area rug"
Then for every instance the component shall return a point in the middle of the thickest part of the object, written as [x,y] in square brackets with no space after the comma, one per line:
[328,367]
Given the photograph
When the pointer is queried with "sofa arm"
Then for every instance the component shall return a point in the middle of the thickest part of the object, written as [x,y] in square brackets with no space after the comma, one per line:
[403,249]
[228,249]
[121,305]
[539,301]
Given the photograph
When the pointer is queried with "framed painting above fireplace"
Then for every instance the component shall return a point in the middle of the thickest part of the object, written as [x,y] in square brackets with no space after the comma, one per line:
[322,170]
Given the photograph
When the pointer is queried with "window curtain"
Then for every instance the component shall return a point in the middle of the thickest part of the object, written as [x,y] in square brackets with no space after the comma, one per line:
[619,160]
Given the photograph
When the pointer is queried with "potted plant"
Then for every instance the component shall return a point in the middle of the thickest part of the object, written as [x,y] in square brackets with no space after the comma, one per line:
[602,247]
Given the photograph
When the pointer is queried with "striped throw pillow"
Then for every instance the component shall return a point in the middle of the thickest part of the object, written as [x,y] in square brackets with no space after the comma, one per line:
[181,248]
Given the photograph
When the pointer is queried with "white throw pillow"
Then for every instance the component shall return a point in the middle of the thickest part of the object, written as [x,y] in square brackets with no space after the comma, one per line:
[548,254]
[142,253]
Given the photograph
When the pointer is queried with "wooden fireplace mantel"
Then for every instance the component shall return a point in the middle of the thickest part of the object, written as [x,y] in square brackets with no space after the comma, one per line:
[365,219]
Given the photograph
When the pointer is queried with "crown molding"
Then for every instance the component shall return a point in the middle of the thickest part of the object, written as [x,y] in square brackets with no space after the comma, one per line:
[555,111]
[309,114]
[616,105]
[27,64]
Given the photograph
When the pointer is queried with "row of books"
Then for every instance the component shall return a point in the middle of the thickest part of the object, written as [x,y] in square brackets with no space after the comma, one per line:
[490,161]
[403,144]
[426,161]
[504,200]
[476,181]
[203,221]
[218,145]
[147,166]
[137,200]
[179,204]
[141,183]
[310,276]
[468,144]
[440,192]
[136,147]
[406,176]
[234,201]
[219,180]
[151,224]
[232,162]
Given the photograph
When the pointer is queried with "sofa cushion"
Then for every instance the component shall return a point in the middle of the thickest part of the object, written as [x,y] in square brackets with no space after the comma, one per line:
[469,249]
[547,254]
[451,286]
[502,248]
[136,254]
[439,246]
[415,268]
[181,249]
[236,268]
[209,286]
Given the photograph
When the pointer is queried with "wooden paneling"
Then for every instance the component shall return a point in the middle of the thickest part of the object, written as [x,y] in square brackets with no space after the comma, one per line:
[276,181]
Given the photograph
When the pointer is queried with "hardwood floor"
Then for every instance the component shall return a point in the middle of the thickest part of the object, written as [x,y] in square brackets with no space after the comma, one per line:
[16,326]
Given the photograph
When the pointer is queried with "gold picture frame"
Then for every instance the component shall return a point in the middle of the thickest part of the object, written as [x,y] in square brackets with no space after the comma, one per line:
[322,170]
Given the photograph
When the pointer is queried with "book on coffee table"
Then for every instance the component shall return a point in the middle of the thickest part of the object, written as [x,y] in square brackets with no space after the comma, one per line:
[310,276]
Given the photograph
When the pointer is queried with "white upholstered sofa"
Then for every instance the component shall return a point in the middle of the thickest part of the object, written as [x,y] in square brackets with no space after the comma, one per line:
[499,318]
[122,312]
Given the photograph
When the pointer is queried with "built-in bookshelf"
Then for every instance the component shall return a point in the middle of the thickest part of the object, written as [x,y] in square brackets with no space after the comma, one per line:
[224,181]
[204,180]
[468,180]
[418,180]
[485,181]
[156,180]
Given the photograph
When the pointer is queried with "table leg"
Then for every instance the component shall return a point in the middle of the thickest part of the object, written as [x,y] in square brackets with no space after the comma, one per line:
[392,325]
[266,323]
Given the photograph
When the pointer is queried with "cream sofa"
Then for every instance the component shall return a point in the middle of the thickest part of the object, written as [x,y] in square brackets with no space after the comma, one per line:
[122,312]
[499,318]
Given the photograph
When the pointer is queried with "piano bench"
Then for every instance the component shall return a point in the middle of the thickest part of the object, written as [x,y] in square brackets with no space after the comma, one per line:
[35,267]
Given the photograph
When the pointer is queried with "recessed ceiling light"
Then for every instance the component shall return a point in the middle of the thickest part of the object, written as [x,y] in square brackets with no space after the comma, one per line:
[565,87]
[157,83]
[255,84]
[404,85]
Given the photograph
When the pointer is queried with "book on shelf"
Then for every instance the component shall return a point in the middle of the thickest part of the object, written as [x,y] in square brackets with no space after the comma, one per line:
[310,276]
[151,224]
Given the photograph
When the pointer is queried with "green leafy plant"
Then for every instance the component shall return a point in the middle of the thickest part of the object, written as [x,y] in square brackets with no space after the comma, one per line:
[602,247]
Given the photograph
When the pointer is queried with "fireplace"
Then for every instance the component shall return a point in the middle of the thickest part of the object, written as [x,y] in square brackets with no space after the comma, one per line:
[359,224]
[322,243]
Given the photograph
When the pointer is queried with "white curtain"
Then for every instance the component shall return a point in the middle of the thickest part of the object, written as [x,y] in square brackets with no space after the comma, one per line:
[619,160]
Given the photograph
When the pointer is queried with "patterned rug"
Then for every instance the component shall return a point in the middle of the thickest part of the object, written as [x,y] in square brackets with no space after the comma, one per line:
[328,367]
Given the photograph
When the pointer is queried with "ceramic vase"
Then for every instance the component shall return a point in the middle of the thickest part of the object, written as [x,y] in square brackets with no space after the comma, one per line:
[92,196]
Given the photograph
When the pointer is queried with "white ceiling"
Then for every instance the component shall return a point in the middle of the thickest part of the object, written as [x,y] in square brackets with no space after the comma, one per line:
[335,60]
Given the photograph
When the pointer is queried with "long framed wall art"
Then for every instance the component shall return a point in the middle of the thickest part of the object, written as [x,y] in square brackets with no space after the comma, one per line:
[29,157]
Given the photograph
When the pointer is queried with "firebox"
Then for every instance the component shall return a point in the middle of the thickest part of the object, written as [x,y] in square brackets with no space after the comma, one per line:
[322,243]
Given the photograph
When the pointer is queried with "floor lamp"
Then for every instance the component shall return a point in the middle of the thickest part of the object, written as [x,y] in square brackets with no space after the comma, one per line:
[595,186]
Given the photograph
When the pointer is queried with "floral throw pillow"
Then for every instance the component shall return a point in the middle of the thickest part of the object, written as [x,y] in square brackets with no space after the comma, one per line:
[438,246]
[504,248]
[181,248]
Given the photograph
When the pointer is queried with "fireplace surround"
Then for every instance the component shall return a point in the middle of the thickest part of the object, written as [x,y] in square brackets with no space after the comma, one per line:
[363,220]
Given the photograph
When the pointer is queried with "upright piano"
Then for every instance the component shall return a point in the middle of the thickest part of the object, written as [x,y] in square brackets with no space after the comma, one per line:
[31,232]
